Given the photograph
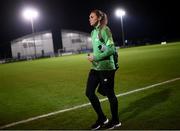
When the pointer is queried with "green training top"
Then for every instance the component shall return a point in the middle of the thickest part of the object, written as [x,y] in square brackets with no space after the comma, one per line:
[109,49]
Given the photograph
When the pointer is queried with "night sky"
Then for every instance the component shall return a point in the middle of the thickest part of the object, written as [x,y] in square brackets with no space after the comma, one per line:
[146,20]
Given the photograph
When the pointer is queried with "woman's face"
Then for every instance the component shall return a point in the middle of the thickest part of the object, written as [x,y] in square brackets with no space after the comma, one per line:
[93,19]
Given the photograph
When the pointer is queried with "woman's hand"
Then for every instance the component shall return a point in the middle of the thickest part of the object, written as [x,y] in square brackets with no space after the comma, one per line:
[90,58]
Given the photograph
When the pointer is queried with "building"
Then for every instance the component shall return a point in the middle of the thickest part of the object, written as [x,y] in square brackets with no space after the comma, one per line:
[75,41]
[33,45]
[42,44]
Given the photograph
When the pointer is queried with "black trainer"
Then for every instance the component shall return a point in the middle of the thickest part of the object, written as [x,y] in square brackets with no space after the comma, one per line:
[113,124]
[99,123]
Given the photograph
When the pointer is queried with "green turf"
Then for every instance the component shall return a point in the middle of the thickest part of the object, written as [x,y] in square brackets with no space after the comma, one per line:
[38,87]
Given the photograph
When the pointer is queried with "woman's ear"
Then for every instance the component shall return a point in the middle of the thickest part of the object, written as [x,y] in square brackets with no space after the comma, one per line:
[100,18]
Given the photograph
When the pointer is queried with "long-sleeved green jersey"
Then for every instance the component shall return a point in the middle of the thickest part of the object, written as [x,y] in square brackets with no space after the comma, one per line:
[100,63]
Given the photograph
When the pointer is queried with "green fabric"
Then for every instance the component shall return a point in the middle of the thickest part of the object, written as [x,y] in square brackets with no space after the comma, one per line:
[99,63]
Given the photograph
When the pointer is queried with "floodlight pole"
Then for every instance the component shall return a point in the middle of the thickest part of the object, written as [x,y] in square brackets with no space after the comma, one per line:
[122,28]
[33,34]
[31,14]
[120,13]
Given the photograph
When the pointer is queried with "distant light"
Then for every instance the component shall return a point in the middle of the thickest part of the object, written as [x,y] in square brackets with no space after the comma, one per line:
[71,34]
[120,12]
[24,41]
[47,35]
[89,39]
[126,41]
[30,14]
[163,43]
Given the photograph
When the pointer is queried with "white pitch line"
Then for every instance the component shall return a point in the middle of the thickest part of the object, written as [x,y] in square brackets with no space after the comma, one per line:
[84,105]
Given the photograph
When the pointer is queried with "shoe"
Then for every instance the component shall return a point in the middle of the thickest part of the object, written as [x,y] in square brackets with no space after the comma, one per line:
[113,124]
[99,123]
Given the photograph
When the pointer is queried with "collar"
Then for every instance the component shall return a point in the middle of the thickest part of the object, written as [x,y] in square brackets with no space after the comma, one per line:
[98,26]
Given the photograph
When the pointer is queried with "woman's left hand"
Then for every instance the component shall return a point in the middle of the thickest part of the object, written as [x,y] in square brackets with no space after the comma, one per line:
[90,58]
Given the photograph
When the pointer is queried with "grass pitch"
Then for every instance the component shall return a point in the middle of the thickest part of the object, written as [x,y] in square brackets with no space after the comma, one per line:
[37,87]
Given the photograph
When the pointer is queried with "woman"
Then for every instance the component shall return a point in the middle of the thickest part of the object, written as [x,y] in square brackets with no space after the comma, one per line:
[103,70]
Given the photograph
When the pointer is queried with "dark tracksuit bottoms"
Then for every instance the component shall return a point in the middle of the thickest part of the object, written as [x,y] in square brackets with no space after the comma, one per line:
[105,79]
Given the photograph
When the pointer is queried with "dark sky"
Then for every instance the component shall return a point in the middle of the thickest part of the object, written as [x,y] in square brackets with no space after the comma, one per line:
[151,20]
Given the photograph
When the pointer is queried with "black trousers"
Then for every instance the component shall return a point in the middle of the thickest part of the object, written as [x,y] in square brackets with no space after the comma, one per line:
[105,79]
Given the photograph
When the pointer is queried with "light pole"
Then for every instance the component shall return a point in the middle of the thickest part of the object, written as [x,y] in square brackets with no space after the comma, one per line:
[31,14]
[120,13]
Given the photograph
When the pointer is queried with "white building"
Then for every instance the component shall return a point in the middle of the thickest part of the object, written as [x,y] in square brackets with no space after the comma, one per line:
[75,41]
[29,47]
[42,44]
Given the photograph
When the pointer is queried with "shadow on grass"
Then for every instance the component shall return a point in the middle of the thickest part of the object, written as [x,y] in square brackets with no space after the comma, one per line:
[144,104]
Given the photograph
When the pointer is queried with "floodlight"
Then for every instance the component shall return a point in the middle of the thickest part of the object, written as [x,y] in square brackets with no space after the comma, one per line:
[120,12]
[30,13]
